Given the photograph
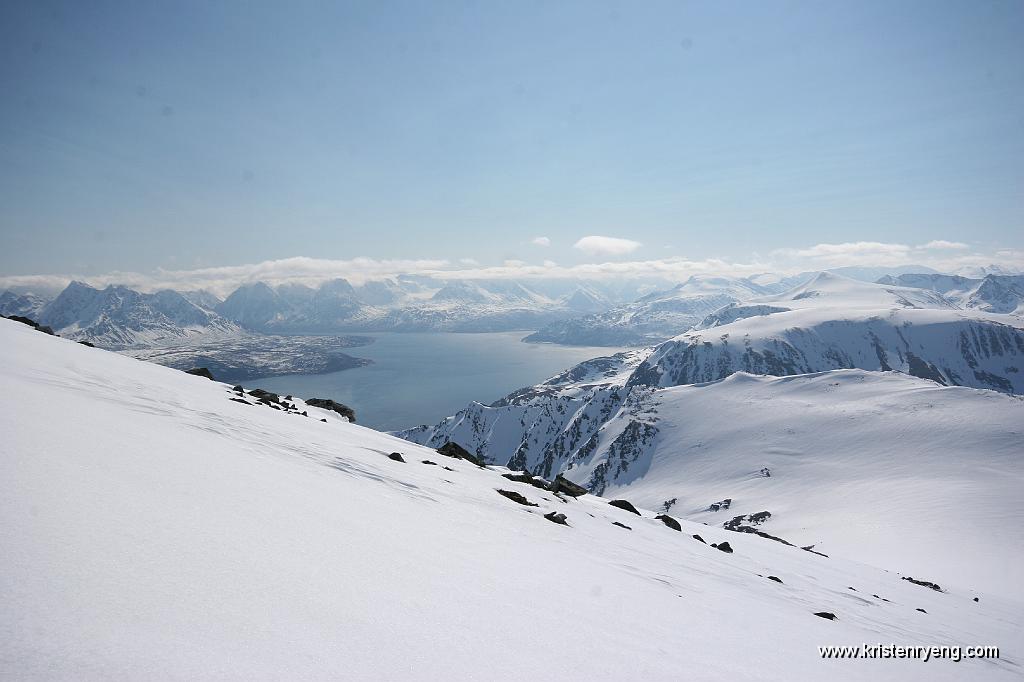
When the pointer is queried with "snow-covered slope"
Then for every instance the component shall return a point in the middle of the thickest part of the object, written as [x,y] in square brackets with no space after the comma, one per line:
[838,323]
[119,317]
[993,293]
[880,466]
[153,528]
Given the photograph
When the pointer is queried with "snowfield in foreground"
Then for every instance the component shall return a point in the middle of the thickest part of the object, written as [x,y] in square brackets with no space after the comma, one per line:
[152,528]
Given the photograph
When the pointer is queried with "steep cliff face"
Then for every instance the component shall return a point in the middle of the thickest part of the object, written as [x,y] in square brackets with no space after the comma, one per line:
[539,428]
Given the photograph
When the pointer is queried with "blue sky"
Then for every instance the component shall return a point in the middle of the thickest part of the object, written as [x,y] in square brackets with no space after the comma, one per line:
[137,136]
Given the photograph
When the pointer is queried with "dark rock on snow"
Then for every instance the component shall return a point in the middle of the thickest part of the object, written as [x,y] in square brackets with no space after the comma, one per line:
[453,449]
[826,615]
[922,610]
[775,578]
[240,400]
[697,537]
[555,517]
[86,343]
[427,461]
[397,456]
[328,404]
[923,583]
[723,547]
[517,498]
[623,504]
[670,522]
[201,372]
[621,525]
[32,323]
[563,485]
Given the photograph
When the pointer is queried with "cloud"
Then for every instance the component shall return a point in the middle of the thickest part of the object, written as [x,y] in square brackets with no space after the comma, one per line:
[541,241]
[595,245]
[314,271]
[943,244]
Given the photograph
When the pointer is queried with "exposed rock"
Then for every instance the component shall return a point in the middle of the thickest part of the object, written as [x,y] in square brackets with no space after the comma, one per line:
[922,610]
[517,498]
[240,400]
[563,485]
[264,396]
[528,478]
[923,583]
[86,343]
[975,599]
[718,506]
[427,461]
[328,404]
[323,420]
[697,537]
[670,522]
[623,504]
[453,449]
[237,389]
[810,548]
[397,456]
[621,525]
[827,615]
[201,372]
[723,547]
[555,517]
[775,578]
[32,323]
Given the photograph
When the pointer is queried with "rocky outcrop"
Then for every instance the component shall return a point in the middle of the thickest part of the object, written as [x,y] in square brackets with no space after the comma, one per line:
[328,404]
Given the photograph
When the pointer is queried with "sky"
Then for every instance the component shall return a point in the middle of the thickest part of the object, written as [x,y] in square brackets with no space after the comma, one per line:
[190,136]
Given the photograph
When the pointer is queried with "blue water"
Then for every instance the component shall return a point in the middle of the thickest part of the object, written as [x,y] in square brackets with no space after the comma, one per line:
[422,378]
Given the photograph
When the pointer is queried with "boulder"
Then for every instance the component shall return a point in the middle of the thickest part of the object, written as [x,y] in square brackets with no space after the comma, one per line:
[528,478]
[670,522]
[264,396]
[827,615]
[923,583]
[427,461]
[555,517]
[621,525]
[563,485]
[201,372]
[453,449]
[623,504]
[328,404]
[922,610]
[517,498]
[775,578]
[723,547]
[397,456]
[86,343]
[697,537]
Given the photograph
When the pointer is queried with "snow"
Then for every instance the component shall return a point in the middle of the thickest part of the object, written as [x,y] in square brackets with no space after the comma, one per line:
[896,471]
[152,528]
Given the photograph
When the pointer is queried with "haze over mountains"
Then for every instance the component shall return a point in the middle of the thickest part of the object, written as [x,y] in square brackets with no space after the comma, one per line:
[566,311]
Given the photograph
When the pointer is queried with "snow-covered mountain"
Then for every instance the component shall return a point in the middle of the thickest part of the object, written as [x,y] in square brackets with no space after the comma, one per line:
[831,323]
[993,293]
[119,317]
[837,323]
[654,317]
[180,530]
[25,305]
[409,304]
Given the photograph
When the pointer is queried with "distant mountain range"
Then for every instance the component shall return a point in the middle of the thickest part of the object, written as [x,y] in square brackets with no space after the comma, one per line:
[573,312]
